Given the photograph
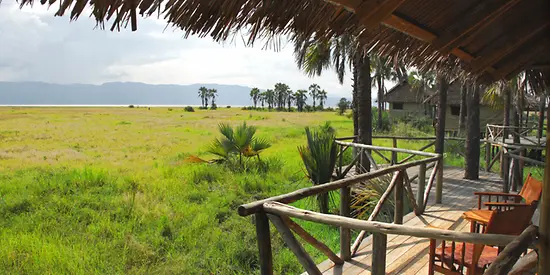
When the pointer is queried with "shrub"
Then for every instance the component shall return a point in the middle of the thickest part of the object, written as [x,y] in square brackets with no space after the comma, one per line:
[203,108]
[343,105]
[189,109]
[228,107]
[214,107]
[170,109]
[130,106]
[386,125]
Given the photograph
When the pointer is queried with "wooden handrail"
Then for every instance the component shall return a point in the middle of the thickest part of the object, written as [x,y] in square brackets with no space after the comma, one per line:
[511,253]
[398,150]
[526,159]
[387,228]
[253,207]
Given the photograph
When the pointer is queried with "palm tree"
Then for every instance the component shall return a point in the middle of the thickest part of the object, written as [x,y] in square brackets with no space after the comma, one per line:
[301,97]
[383,71]
[281,92]
[255,95]
[322,96]
[270,98]
[314,90]
[212,93]
[421,83]
[203,94]
[289,99]
[319,157]
[262,98]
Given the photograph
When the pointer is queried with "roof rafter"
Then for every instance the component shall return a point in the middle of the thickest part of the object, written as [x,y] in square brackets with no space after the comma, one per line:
[522,59]
[373,12]
[474,20]
[503,46]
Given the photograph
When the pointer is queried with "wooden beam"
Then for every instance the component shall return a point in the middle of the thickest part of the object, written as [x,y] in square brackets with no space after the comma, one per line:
[372,12]
[507,43]
[350,5]
[299,251]
[524,57]
[472,21]
[544,224]
[264,243]
[388,228]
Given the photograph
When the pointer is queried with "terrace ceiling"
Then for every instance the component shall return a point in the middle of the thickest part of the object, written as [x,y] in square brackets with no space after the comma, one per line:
[489,39]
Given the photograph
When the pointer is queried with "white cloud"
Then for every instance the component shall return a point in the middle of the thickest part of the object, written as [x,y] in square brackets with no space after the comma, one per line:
[39,47]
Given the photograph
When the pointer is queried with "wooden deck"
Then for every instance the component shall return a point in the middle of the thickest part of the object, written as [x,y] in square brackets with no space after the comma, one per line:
[409,255]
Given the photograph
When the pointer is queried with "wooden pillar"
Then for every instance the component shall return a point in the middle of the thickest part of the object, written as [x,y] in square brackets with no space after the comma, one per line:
[505,123]
[364,103]
[442,87]
[345,234]
[488,151]
[421,187]
[398,198]
[505,171]
[264,243]
[379,243]
[471,170]
[544,225]
[394,154]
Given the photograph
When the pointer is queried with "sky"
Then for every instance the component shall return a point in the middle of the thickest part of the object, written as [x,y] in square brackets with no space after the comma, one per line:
[36,46]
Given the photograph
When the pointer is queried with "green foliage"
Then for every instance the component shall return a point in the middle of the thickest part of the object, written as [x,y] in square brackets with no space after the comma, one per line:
[228,107]
[238,143]
[386,124]
[343,105]
[420,123]
[189,109]
[319,158]
[214,106]
[131,106]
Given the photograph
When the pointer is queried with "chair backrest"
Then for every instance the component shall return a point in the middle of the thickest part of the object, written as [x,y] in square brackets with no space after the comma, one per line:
[531,190]
[511,222]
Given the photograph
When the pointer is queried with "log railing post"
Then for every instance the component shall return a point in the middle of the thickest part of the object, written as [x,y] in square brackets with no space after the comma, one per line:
[398,198]
[504,170]
[394,154]
[487,153]
[264,243]
[345,234]
[439,182]
[421,187]
[379,243]
[340,160]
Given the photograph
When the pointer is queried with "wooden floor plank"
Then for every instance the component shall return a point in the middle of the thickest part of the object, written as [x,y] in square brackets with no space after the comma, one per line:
[408,255]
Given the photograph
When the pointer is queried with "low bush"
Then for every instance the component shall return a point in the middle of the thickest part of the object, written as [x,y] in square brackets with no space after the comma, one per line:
[228,107]
[189,109]
[131,106]
[203,108]
[213,107]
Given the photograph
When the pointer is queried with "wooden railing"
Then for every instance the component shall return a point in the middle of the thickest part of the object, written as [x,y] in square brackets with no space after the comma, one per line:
[399,184]
[499,133]
[507,261]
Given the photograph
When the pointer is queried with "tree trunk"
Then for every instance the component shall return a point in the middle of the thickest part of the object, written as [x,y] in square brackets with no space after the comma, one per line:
[473,134]
[463,108]
[354,99]
[364,106]
[380,103]
[517,124]
[506,122]
[544,224]
[542,108]
[442,87]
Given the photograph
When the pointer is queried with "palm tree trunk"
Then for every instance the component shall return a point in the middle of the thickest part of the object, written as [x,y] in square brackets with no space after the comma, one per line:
[354,100]
[463,109]
[380,102]
[473,134]
[516,138]
[442,87]
[364,106]
[542,108]
[504,159]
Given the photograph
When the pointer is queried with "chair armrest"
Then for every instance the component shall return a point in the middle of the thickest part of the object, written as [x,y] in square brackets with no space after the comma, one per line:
[496,194]
[506,204]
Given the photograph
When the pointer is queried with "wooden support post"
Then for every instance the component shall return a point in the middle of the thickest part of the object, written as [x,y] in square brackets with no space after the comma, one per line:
[439,182]
[345,234]
[379,242]
[504,170]
[420,189]
[544,225]
[264,243]
[340,160]
[487,153]
[521,162]
[398,198]
[298,250]
[394,154]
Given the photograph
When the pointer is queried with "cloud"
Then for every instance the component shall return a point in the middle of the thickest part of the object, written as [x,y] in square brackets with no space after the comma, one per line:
[36,46]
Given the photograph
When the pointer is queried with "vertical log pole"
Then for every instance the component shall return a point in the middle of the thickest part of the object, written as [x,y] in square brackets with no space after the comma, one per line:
[264,243]
[488,155]
[506,122]
[442,87]
[345,234]
[544,225]
[379,253]
[394,154]
[505,170]
[340,160]
[421,187]
[398,198]
[471,169]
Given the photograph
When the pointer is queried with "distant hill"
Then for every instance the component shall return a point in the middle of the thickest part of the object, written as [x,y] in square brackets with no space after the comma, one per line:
[121,93]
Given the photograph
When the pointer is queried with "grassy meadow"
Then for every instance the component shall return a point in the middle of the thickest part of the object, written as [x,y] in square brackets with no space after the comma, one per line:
[109,190]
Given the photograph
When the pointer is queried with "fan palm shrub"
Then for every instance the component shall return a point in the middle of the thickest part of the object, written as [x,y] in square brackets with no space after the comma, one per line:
[319,157]
[239,143]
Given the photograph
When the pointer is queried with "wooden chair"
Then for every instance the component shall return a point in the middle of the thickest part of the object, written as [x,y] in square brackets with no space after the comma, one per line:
[529,195]
[453,258]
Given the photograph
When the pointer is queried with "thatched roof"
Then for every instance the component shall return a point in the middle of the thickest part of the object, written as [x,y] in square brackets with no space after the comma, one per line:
[493,39]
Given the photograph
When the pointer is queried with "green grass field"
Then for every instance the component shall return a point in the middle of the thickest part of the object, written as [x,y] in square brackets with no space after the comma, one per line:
[108,190]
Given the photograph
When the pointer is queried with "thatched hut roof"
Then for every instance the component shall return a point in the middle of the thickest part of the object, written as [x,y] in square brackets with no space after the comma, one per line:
[403,93]
[493,39]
